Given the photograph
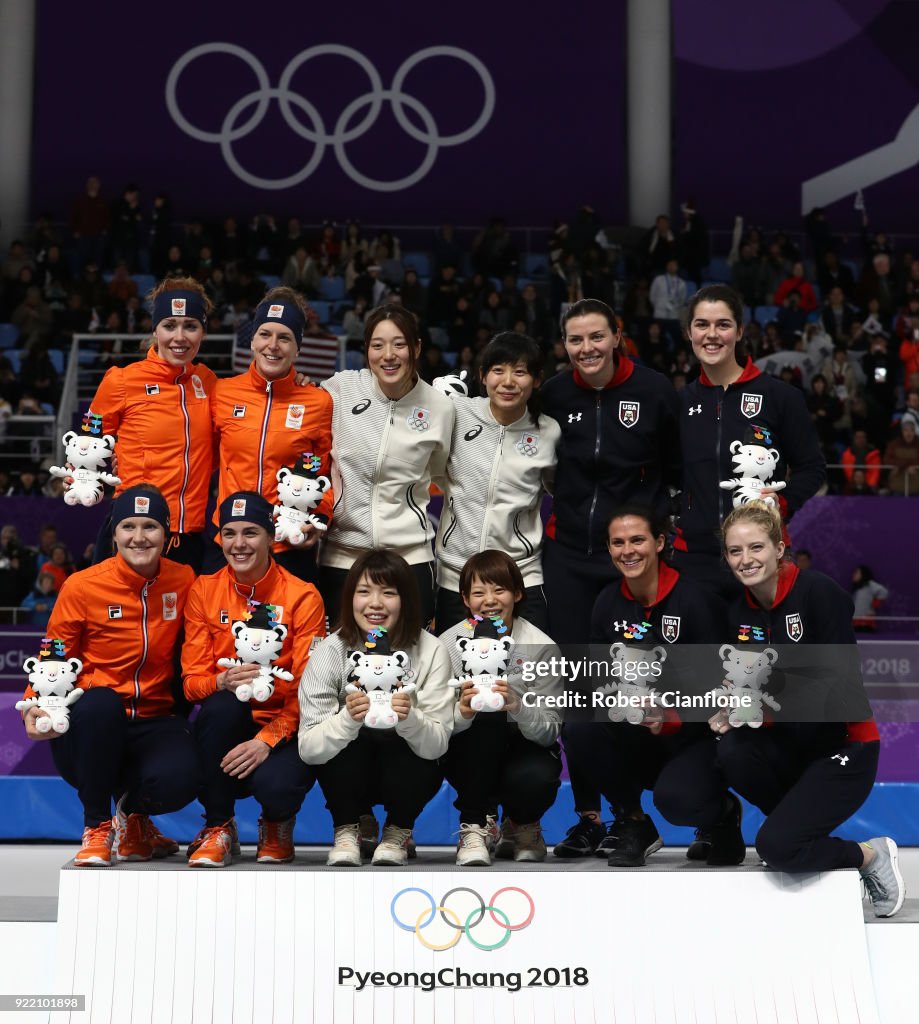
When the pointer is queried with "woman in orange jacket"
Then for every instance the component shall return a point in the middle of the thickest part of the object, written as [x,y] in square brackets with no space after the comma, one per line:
[158,408]
[122,618]
[264,420]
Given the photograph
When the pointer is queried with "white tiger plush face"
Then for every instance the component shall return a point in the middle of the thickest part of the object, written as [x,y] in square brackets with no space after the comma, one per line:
[51,678]
[301,492]
[749,669]
[258,646]
[484,656]
[85,452]
[378,671]
[753,460]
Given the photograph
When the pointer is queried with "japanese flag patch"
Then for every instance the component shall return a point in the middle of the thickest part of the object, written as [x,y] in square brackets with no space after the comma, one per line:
[528,444]
[420,419]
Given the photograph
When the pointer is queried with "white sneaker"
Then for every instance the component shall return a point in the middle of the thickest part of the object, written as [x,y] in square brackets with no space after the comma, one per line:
[520,842]
[472,848]
[346,849]
[392,849]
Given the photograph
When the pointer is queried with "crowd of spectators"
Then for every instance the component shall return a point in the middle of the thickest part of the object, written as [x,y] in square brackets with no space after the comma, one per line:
[845,331]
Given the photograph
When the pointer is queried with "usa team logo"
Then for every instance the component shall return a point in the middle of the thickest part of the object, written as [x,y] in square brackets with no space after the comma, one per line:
[420,419]
[275,312]
[528,444]
[794,627]
[750,405]
[629,413]
[178,307]
[670,627]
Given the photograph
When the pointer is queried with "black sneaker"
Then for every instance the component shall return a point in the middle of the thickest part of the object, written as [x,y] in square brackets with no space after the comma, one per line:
[635,840]
[728,847]
[608,842]
[701,846]
[581,839]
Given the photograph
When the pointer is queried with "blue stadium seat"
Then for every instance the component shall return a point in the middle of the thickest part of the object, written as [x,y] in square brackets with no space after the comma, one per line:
[719,270]
[323,309]
[450,358]
[535,264]
[332,289]
[15,357]
[9,335]
[57,359]
[271,281]
[419,261]
[691,287]
[144,282]
[766,313]
[747,314]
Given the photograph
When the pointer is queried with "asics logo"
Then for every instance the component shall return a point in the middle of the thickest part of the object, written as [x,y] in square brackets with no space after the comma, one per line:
[304,120]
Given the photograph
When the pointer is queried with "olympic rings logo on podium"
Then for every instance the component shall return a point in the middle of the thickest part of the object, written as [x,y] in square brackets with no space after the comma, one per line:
[462,922]
[235,126]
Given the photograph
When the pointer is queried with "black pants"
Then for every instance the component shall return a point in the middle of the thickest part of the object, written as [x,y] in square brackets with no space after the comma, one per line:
[185,548]
[573,581]
[449,609]
[378,766]
[492,763]
[807,780]
[279,783]
[105,754]
[332,582]
[622,760]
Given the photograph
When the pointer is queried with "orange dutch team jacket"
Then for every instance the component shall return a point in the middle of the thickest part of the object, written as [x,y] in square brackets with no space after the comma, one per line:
[215,603]
[161,417]
[261,426]
[125,630]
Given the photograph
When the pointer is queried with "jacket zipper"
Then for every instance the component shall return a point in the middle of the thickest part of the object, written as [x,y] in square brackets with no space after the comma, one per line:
[492,482]
[261,443]
[185,454]
[720,494]
[376,472]
[593,502]
[143,657]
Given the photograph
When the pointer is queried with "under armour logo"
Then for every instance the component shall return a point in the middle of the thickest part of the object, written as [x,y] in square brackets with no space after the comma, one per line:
[693,409]
[574,417]
[620,624]
[843,759]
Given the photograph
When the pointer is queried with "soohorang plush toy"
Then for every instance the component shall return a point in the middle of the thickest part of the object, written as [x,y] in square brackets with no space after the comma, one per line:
[259,638]
[452,384]
[639,662]
[53,677]
[86,456]
[485,658]
[300,490]
[747,675]
[379,672]
[754,464]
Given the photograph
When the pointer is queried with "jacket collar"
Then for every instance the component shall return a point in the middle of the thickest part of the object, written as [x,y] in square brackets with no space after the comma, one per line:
[277,386]
[750,372]
[788,575]
[131,579]
[262,590]
[667,579]
[166,371]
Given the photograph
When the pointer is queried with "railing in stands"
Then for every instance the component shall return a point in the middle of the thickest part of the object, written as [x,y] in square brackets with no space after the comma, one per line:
[908,476]
[28,439]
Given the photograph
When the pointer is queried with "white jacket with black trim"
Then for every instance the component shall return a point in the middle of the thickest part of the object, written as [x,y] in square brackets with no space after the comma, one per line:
[538,723]
[496,477]
[326,727]
[385,454]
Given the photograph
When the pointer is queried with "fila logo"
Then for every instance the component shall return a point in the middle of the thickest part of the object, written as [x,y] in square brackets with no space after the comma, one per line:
[693,409]
[114,611]
[843,759]
[224,617]
[574,417]
[239,411]
[152,389]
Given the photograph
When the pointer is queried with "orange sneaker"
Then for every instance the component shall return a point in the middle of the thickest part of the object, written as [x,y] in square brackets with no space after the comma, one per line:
[214,847]
[96,850]
[199,839]
[162,845]
[130,837]
[275,841]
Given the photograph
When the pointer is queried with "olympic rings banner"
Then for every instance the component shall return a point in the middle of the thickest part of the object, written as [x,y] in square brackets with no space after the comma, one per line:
[562,943]
[407,116]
